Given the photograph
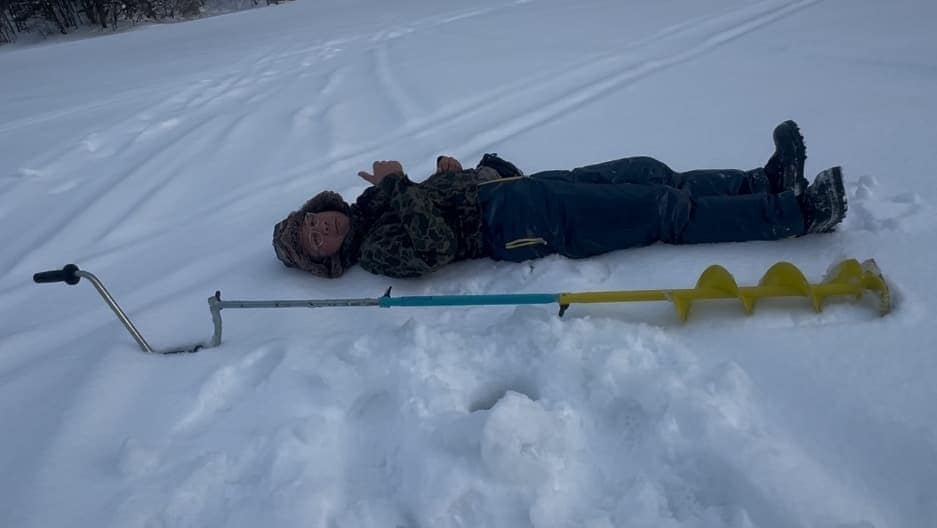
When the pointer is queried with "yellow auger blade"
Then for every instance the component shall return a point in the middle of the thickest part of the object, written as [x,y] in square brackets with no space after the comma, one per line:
[848,277]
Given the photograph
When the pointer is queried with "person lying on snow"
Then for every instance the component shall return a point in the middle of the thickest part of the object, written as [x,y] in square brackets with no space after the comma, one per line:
[404,229]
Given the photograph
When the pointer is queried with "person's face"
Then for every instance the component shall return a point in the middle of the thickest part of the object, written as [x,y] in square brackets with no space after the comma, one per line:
[322,234]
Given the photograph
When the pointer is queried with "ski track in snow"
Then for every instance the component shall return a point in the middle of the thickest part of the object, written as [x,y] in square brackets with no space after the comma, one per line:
[388,86]
[455,417]
[724,29]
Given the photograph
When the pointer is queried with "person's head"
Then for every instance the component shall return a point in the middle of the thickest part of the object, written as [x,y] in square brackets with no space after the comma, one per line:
[313,237]
[321,234]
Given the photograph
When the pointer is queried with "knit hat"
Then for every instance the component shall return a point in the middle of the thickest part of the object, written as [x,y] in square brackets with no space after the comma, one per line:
[286,238]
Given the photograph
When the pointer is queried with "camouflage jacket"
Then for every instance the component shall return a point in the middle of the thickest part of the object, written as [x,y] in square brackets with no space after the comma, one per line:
[406,229]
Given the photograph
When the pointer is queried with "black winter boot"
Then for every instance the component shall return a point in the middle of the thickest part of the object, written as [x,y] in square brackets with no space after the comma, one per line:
[785,168]
[824,202]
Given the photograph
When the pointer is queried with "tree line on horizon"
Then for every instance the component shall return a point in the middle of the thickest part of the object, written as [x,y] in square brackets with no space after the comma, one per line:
[47,17]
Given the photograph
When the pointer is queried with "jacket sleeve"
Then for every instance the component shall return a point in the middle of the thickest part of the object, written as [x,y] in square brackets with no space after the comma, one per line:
[412,237]
[375,200]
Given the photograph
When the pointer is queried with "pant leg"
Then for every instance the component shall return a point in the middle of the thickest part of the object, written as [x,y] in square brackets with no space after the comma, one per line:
[530,218]
[643,170]
[723,182]
[760,216]
[611,217]
[598,218]
[640,170]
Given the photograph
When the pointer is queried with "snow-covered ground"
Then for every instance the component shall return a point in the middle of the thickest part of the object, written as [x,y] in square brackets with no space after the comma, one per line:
[159,159]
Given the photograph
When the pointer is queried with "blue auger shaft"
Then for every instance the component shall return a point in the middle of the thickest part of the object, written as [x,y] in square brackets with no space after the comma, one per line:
[469,300]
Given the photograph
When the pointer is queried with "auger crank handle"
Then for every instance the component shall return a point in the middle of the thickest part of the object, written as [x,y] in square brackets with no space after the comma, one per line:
[68,275]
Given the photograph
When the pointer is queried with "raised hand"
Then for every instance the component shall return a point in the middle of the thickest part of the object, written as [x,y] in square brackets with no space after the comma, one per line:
[447,164]
[381,169]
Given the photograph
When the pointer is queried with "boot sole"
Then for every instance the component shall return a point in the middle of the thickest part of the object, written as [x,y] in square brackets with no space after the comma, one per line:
[791,149]
[832,180]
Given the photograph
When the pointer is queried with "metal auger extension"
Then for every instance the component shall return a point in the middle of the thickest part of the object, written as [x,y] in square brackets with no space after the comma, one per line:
[848,277]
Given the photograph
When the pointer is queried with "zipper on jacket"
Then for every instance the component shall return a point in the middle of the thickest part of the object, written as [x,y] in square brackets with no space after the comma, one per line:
[502,180]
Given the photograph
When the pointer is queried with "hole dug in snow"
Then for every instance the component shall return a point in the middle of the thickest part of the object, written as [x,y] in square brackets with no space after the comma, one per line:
[488,396]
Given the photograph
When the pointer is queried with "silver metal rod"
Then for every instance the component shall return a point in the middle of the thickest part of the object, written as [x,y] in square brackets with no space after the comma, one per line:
[117,311]
[300,303]
[215,304]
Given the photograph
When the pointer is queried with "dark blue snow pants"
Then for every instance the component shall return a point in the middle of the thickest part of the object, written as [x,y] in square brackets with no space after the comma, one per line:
[627,203]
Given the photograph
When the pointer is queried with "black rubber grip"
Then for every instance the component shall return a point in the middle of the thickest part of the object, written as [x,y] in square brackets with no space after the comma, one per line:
[67,275]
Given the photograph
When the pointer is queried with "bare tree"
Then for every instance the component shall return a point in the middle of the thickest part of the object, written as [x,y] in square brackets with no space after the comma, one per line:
[7,26]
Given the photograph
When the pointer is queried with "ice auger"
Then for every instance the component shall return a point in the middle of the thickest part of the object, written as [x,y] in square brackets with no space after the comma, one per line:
[783,279]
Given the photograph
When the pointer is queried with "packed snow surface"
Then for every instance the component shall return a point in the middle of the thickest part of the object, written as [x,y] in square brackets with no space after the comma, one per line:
[160,159]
